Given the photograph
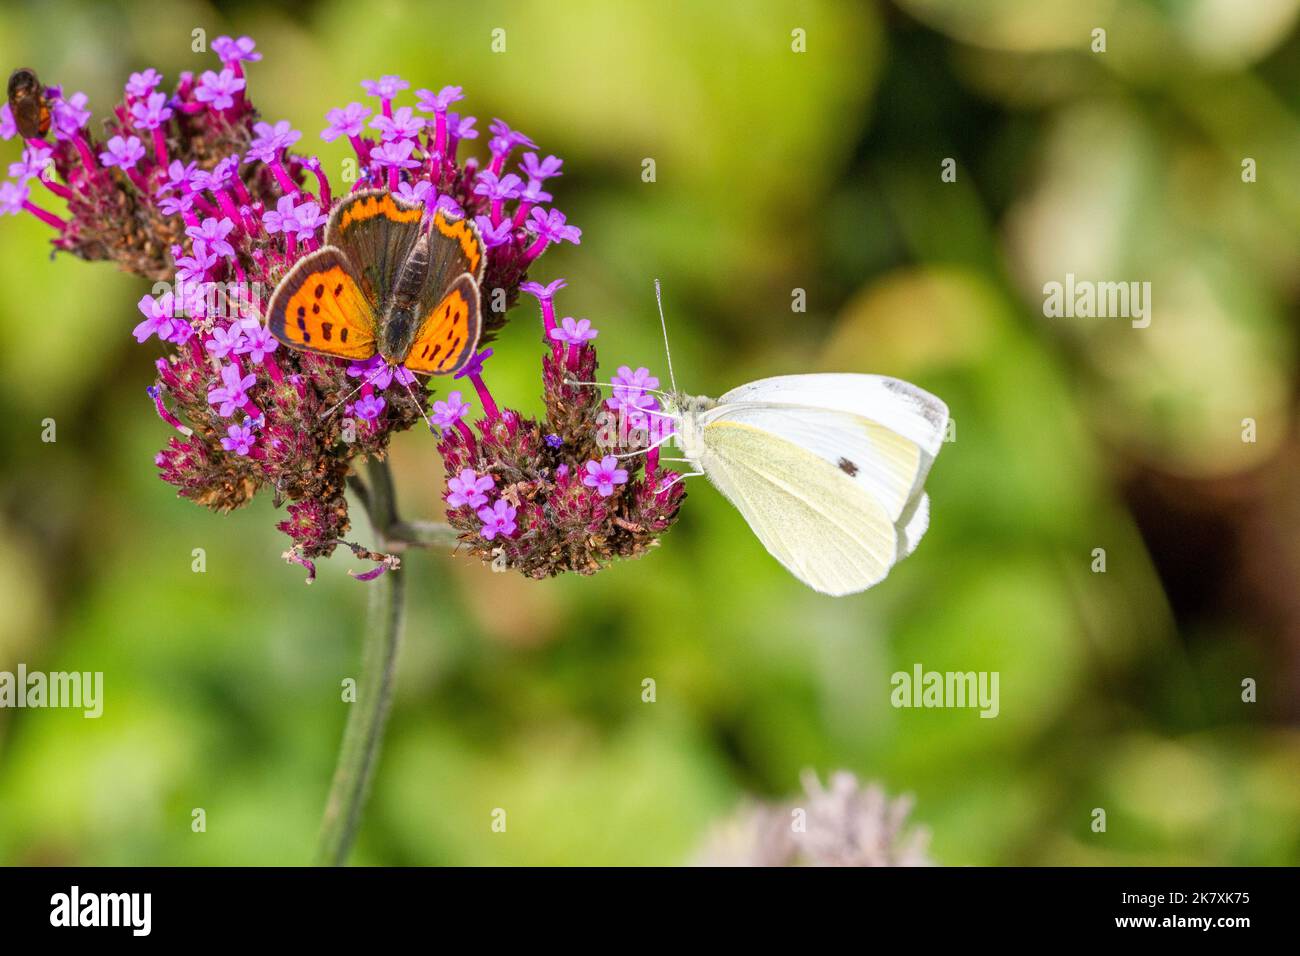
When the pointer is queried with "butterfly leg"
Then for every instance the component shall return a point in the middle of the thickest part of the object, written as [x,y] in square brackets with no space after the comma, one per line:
[418,407]
[689,474]
[642,451]
[373,375]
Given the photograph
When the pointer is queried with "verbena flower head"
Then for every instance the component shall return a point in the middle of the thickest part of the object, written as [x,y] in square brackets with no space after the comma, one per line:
[192,187]
[569,492]
[846,823]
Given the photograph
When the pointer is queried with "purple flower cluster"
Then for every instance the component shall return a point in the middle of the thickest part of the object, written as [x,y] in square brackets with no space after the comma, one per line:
[551,496]
[131,190]
[191,187]
[413,151]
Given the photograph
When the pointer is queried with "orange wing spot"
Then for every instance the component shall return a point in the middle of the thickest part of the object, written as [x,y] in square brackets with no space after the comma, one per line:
[460,231]
[325,314]
[438,348]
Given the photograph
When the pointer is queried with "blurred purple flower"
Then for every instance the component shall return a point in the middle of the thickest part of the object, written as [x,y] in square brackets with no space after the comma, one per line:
[468,488]
[574,331]
[348,121]
[218,89]
[603,475]
[448,413]
[124,153]
[386,87]
[233,51]
[498,520]
[552,226]
[431,102]
[543,169]
[142,84]
[239,439]
[403,124]
[270,141]
[151,112]
[395,153]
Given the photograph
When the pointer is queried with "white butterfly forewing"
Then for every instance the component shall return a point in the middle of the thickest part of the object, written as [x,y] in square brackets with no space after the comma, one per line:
[883,463]
[809,514]
[900,406]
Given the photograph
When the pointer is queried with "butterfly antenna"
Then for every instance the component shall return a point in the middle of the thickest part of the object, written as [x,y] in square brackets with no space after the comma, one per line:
[659,300]
[373,375]
[418,407]
[641,388]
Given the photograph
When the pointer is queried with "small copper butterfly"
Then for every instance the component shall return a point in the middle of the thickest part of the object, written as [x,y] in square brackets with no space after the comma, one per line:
[384,284]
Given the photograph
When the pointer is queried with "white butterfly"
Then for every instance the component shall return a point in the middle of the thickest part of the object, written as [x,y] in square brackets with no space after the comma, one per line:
[829,470]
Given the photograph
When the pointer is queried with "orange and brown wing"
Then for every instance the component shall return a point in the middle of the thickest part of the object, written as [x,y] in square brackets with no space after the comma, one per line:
[455,247]
[319,307]
[449,333]
[376,231]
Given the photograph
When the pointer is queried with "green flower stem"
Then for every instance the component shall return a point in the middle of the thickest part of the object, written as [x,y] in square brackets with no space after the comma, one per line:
[364,734]
[422,534]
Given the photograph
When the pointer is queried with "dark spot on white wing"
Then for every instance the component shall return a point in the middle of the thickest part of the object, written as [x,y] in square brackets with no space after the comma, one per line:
[847,466]
[930,411]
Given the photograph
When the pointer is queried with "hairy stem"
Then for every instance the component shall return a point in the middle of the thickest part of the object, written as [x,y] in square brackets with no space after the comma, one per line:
[399,535]
[364,734]
[422,534]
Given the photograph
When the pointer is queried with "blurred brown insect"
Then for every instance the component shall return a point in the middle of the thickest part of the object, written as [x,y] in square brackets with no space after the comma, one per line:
[28,103]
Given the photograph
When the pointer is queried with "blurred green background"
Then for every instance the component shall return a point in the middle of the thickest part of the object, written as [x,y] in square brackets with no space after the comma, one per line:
[775,171]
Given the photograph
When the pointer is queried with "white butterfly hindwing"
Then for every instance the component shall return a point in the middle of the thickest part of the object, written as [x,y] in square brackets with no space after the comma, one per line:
[809,514]
[827,469]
